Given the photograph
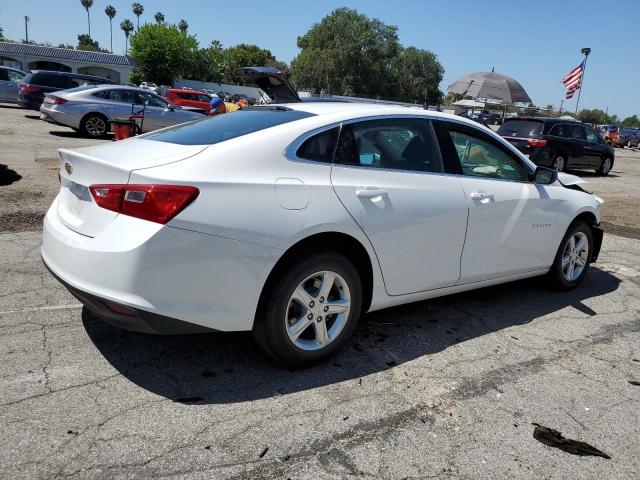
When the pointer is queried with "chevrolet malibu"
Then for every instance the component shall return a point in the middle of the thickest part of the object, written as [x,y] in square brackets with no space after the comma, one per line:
[292,220]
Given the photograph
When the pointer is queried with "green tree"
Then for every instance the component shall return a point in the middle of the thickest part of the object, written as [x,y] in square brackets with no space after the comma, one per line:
[110,11]
[183,25]
[159,16]
[127,27]
[85,42]
[163,52]
[209,64]
[1,33]
[416,76]
[633,121]
[137,11]
[348,53]
[87,4]
[136,77]
[593,116]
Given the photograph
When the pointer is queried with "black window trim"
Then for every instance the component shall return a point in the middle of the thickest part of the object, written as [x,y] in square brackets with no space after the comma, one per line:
[291,151]
[442,125]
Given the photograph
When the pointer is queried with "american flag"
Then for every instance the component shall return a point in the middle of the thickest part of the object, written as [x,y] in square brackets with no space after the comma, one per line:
[573,80]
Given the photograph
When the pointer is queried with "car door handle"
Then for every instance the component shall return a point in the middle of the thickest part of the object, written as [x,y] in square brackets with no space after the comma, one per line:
[481,196]
[370,192]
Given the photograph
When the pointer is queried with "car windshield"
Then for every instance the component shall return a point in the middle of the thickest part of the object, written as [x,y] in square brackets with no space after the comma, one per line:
[227,126]
[520,128]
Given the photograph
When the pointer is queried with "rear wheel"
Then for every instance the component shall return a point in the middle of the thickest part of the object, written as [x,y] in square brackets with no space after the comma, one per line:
[559,163]
[573,257]
[605,167]
[311,310]
[94,125]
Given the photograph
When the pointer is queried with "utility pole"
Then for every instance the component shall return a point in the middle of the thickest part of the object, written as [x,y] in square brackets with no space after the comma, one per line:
[560,111]
[586,52]
[26,28]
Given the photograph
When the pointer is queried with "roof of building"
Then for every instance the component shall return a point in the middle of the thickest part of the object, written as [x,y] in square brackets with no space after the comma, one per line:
[65,54]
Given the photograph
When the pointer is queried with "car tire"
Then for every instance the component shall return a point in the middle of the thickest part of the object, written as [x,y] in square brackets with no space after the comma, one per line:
[605,167]
[94,125]
[559,164]
[572,260]
[291,324]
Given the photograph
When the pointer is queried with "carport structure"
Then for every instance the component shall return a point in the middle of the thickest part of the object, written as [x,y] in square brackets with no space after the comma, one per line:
[37,57]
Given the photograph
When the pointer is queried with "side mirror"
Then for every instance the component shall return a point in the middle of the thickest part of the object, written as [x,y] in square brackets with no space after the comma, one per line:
[171,107]
[545,176]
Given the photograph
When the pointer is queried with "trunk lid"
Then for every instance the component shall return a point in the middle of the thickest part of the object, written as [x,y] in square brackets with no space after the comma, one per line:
[272,81]
[107,163]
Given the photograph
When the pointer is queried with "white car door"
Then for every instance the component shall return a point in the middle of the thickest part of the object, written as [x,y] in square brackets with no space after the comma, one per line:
[388,175]
[512,220]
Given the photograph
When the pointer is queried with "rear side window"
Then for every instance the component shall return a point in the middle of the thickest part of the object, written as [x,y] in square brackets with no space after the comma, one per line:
[227,126]
[320,147]
[396,143]
[520,128]
[4,74]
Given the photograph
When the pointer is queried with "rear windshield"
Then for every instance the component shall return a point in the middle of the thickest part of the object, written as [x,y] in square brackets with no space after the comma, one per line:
[223,127]
[47,79]
[520,128]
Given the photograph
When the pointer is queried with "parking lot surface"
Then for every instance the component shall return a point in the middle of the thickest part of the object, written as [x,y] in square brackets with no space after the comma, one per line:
[448,388]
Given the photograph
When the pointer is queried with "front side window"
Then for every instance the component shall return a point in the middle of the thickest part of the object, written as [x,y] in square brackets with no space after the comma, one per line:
[592,137]
[152,100]
[480,158]
[395,143]
[319,147]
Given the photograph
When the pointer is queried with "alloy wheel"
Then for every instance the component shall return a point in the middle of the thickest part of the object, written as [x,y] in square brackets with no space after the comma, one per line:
[606,166]
[575,256]
[559,164]
[318,310]
[95,126]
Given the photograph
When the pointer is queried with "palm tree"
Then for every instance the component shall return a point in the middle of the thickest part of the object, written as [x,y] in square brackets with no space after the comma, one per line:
[127,27]
[87,4]
[110,11]
[137,11]
[183,25]
[159,16]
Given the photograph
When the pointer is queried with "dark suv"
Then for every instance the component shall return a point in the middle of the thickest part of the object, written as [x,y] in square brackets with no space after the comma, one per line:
[560,144]
[629,137]
[38,82]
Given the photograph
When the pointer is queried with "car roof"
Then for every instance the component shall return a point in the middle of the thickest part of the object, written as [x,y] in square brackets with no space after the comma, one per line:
[186,90]
[544,120]
[344,111]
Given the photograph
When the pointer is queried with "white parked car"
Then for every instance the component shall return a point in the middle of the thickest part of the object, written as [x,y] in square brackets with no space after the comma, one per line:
[293,220]
[149,86]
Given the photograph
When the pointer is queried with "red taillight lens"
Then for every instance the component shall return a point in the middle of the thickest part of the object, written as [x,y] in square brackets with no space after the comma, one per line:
[537,142]
[26,88]
[58,100]
[156,203]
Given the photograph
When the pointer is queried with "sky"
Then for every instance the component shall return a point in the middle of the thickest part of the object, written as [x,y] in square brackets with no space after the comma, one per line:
[536,43]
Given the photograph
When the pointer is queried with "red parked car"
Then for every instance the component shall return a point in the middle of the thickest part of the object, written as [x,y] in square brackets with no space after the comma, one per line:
[188,98]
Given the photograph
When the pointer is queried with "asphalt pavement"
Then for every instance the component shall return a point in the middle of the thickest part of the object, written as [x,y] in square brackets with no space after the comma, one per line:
[449,388]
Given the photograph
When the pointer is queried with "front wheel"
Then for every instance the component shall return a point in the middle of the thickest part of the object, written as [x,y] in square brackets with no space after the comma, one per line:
[605,167]
[573,257]
[311,310]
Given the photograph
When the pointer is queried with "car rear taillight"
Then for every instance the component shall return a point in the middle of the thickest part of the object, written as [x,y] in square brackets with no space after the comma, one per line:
[537,142]
[58,100]
[26,88]
[156,203]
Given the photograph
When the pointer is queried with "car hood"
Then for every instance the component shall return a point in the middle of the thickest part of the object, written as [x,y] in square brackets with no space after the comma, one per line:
[272,81]
[568,180]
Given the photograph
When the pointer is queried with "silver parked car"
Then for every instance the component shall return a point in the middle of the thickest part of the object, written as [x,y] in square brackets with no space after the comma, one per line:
[9,81]
[90,109]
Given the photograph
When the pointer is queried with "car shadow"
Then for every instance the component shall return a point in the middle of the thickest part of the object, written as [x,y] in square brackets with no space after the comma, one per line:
[230,367]
[8,176]
[10,105]
[74,134]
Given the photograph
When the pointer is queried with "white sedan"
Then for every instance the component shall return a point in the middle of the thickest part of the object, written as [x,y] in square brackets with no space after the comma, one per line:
[293,220]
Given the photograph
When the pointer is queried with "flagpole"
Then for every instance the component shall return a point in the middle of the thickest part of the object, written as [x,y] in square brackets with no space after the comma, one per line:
[586,52]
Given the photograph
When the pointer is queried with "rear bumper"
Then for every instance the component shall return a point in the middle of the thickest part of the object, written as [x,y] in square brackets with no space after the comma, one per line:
[57,117]
[32,102]
[141,321]
[167,275]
